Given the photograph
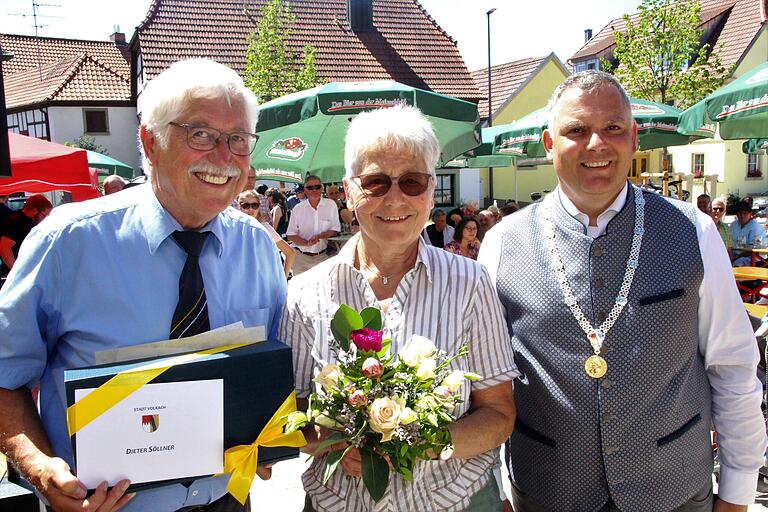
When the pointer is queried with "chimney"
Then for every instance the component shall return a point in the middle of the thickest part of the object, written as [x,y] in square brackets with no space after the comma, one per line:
[587,34]
[360,15]
[117,37]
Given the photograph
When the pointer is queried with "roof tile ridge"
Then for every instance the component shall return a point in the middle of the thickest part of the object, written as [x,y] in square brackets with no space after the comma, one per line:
[105,67]
[44,38]
[71,72]
[151,12]
[591,39]
[513,63]
[434,22]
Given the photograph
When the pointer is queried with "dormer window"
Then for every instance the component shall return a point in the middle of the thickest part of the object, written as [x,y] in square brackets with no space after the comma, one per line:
[360,15]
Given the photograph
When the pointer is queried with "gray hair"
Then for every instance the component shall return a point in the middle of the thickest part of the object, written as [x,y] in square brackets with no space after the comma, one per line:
[587,81]
[400,129]
[720,199]
[168,95]
[437,213]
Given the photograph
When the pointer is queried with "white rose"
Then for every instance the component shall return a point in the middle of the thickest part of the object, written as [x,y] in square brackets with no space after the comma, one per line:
[454,380]
[385,416]
[328,376]
[426,369]
[416,349]
[407,416]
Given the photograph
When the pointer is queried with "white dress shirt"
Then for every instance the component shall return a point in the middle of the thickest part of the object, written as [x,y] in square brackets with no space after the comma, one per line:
[726,342]
[308,222]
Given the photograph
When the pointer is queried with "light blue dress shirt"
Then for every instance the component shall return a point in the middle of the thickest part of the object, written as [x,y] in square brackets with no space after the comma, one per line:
[104,274]
[750,233]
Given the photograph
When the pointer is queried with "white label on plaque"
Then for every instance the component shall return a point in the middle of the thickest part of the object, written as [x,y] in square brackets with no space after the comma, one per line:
[160,432]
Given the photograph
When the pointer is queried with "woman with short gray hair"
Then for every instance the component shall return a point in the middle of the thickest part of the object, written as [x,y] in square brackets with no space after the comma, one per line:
[390,159]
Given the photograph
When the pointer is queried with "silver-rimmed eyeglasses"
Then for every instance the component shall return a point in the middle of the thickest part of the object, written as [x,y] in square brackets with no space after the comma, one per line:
[205,138]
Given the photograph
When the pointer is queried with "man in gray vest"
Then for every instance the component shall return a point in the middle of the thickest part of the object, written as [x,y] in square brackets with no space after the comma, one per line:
[628,331]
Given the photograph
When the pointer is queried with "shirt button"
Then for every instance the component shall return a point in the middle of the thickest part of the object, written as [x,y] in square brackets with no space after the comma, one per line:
[195,493]
[598,251]
[599,282]
[608,417]
[600,317]
[610,450]
[607,383]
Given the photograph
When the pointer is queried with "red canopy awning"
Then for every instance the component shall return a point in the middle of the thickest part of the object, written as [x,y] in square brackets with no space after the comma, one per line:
[41,166]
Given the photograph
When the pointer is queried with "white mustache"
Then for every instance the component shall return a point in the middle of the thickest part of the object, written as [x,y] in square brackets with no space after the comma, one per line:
[207,168]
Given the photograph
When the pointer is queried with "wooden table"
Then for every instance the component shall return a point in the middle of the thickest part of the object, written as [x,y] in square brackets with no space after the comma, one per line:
[750,280]
[758,256]
[756,310]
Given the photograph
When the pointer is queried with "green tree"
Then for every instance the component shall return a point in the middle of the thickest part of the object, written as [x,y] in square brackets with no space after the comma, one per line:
[660,56]
[89,143]
[271,69]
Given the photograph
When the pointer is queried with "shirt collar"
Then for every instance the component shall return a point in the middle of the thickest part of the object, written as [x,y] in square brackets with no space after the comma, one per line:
[602,220]
[346,255]
[159,224]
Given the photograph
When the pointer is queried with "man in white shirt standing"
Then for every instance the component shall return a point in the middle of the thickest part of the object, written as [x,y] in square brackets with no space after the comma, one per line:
[312,222]
[628,331]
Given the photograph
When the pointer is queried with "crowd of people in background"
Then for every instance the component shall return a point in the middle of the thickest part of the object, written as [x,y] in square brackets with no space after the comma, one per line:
[743,233]
[462,229]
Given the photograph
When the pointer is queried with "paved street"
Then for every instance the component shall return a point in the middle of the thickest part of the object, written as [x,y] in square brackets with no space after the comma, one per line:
[284,491]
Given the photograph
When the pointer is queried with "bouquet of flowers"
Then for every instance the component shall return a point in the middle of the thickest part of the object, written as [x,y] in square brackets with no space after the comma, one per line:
[395,408]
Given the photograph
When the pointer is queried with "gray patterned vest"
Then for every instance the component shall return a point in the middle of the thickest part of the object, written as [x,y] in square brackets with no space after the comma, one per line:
[641,433]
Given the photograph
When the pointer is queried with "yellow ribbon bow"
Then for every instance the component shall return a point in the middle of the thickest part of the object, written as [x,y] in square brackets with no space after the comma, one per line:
[242,461]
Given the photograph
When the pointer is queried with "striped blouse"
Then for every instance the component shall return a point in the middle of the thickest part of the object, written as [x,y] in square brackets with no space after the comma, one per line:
[446,298]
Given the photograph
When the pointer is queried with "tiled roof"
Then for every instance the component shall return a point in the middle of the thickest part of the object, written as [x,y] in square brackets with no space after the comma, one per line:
[407,45]
[53,49]
[506,79]
[744,18]
[75,78]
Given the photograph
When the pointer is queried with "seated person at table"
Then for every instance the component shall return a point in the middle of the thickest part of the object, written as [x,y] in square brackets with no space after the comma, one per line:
[718,212]
[439,233]
[746,232]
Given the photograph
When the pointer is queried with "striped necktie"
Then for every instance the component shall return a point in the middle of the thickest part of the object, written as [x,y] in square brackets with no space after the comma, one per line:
[191,314]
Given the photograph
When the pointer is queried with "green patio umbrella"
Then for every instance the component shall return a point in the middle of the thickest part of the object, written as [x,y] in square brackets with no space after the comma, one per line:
[523,137]
[279,175]
[657,127]
[304,132]
[482,155]
[109,164]
[740,108]
[477,162]
[754,145]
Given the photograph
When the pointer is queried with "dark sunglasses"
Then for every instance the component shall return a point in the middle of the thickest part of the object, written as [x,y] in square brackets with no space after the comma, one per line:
[249,206]
[717,209]
[411,183]
[313,187]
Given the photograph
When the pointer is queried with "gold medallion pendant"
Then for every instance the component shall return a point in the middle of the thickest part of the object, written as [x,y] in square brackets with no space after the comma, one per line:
[595,366]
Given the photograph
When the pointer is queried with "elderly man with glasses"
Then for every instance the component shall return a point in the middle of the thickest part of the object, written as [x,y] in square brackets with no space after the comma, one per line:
[312,223]
[172,246]
[718,212]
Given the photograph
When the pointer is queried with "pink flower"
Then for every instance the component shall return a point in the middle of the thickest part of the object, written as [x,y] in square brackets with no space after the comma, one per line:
[366,339]
[372,368]
[357,399]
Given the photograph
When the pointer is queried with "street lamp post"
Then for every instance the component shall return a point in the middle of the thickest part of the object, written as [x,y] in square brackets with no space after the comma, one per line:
[490,97]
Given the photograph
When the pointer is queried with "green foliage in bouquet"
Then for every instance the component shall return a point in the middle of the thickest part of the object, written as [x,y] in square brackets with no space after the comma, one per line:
[395,408]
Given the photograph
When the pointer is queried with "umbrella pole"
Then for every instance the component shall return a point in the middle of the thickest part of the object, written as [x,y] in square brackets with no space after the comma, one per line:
[665,177]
